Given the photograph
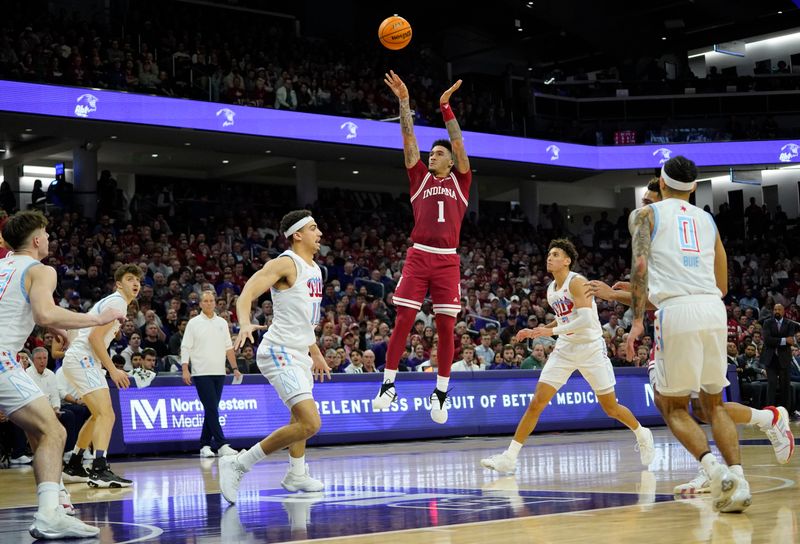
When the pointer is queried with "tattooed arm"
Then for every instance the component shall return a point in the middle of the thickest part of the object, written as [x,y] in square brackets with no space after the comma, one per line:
[460,159]
[641,230]
[410,146]
[641,226]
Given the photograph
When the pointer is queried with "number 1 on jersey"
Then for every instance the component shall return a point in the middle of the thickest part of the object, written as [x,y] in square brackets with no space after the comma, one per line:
[441,210]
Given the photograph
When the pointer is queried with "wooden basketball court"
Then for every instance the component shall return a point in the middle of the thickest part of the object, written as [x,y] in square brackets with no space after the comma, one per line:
[575,487]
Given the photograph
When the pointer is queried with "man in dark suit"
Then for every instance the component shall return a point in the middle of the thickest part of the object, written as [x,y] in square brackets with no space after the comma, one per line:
[777,356]
[795,377]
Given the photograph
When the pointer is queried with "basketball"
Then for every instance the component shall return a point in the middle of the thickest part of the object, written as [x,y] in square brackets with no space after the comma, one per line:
[394,33]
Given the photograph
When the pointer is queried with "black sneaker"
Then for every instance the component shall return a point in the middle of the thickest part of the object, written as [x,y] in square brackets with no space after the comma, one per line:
[73,472]
[101,475]
[386,397]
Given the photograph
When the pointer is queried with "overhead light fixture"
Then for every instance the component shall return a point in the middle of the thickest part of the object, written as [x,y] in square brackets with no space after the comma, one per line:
[28,130]
[355,171]
[154,155]
[2,149]
[113,137]
[342,158]
[780,13]
[187,144]
[519,29]
[663,37]
[474,171]
[529,4]
[225,161]
[294,167]
[530,68]
[549,81]
[533,175]
[268,151]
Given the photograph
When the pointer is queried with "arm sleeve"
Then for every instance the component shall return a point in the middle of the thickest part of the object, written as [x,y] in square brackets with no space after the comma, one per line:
[582,321]
[415,176]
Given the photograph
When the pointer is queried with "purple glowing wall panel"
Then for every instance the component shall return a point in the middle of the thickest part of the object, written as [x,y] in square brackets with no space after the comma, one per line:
[122,107]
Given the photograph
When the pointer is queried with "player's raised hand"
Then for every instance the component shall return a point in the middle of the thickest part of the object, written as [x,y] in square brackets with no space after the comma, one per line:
[622,286]
[396,84]
[445,98]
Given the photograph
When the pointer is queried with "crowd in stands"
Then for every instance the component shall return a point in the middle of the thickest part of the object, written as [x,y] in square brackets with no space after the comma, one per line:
[186,248]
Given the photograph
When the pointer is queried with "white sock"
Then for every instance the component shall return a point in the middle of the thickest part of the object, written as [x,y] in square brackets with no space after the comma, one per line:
[738,470]
[47,493]
[389,375]
[297,465]
[251,456]
[441,383]
[709,462]
[514,449]
[762,418]
[640,432]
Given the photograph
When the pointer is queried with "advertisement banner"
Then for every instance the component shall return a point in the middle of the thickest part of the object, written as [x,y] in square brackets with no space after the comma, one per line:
[481,403]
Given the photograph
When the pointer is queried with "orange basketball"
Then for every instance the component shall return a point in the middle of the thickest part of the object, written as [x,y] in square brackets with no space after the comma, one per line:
[394,32]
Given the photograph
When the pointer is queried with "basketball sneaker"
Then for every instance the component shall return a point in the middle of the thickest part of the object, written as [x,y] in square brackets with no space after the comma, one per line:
[698,484]
[231,472]
[225,449]
[439,406]
[738,501]
[58,525]
[101,475]
[301,482]
[501,462]
[73,472]
[730,493]
[66,501]
[647,450]
[206,451]
[386,397]
[780,434]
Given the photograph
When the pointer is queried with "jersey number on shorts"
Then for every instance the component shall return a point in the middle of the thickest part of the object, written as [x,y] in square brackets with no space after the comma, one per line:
[5,278]
[441,210]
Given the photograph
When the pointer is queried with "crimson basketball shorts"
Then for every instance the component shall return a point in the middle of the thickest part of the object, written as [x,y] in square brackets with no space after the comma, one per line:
[436,273]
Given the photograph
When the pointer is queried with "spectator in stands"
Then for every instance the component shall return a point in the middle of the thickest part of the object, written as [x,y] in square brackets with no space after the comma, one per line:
[506,360]
[153,339]
[484,351]
[246,361]
[468,363]
[134,347]
[752,376]
[146,373]
[47,382]
[8,201]
[536,360]
[432,364]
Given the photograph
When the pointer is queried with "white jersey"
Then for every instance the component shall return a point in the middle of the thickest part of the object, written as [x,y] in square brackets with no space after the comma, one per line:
[16,316]
[297,309]
[80,347]
[682,251]
[563,305]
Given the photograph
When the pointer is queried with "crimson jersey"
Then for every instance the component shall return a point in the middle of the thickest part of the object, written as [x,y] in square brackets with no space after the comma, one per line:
[439,205]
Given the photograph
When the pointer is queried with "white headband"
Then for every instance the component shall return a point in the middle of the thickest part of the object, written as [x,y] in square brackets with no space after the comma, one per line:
[297,226]
[675,184]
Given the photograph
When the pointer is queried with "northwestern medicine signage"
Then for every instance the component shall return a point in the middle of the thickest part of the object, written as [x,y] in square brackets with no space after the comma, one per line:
[100,105]
[487,403]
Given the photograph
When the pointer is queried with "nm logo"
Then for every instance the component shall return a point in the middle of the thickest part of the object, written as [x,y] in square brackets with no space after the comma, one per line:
[149,415]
